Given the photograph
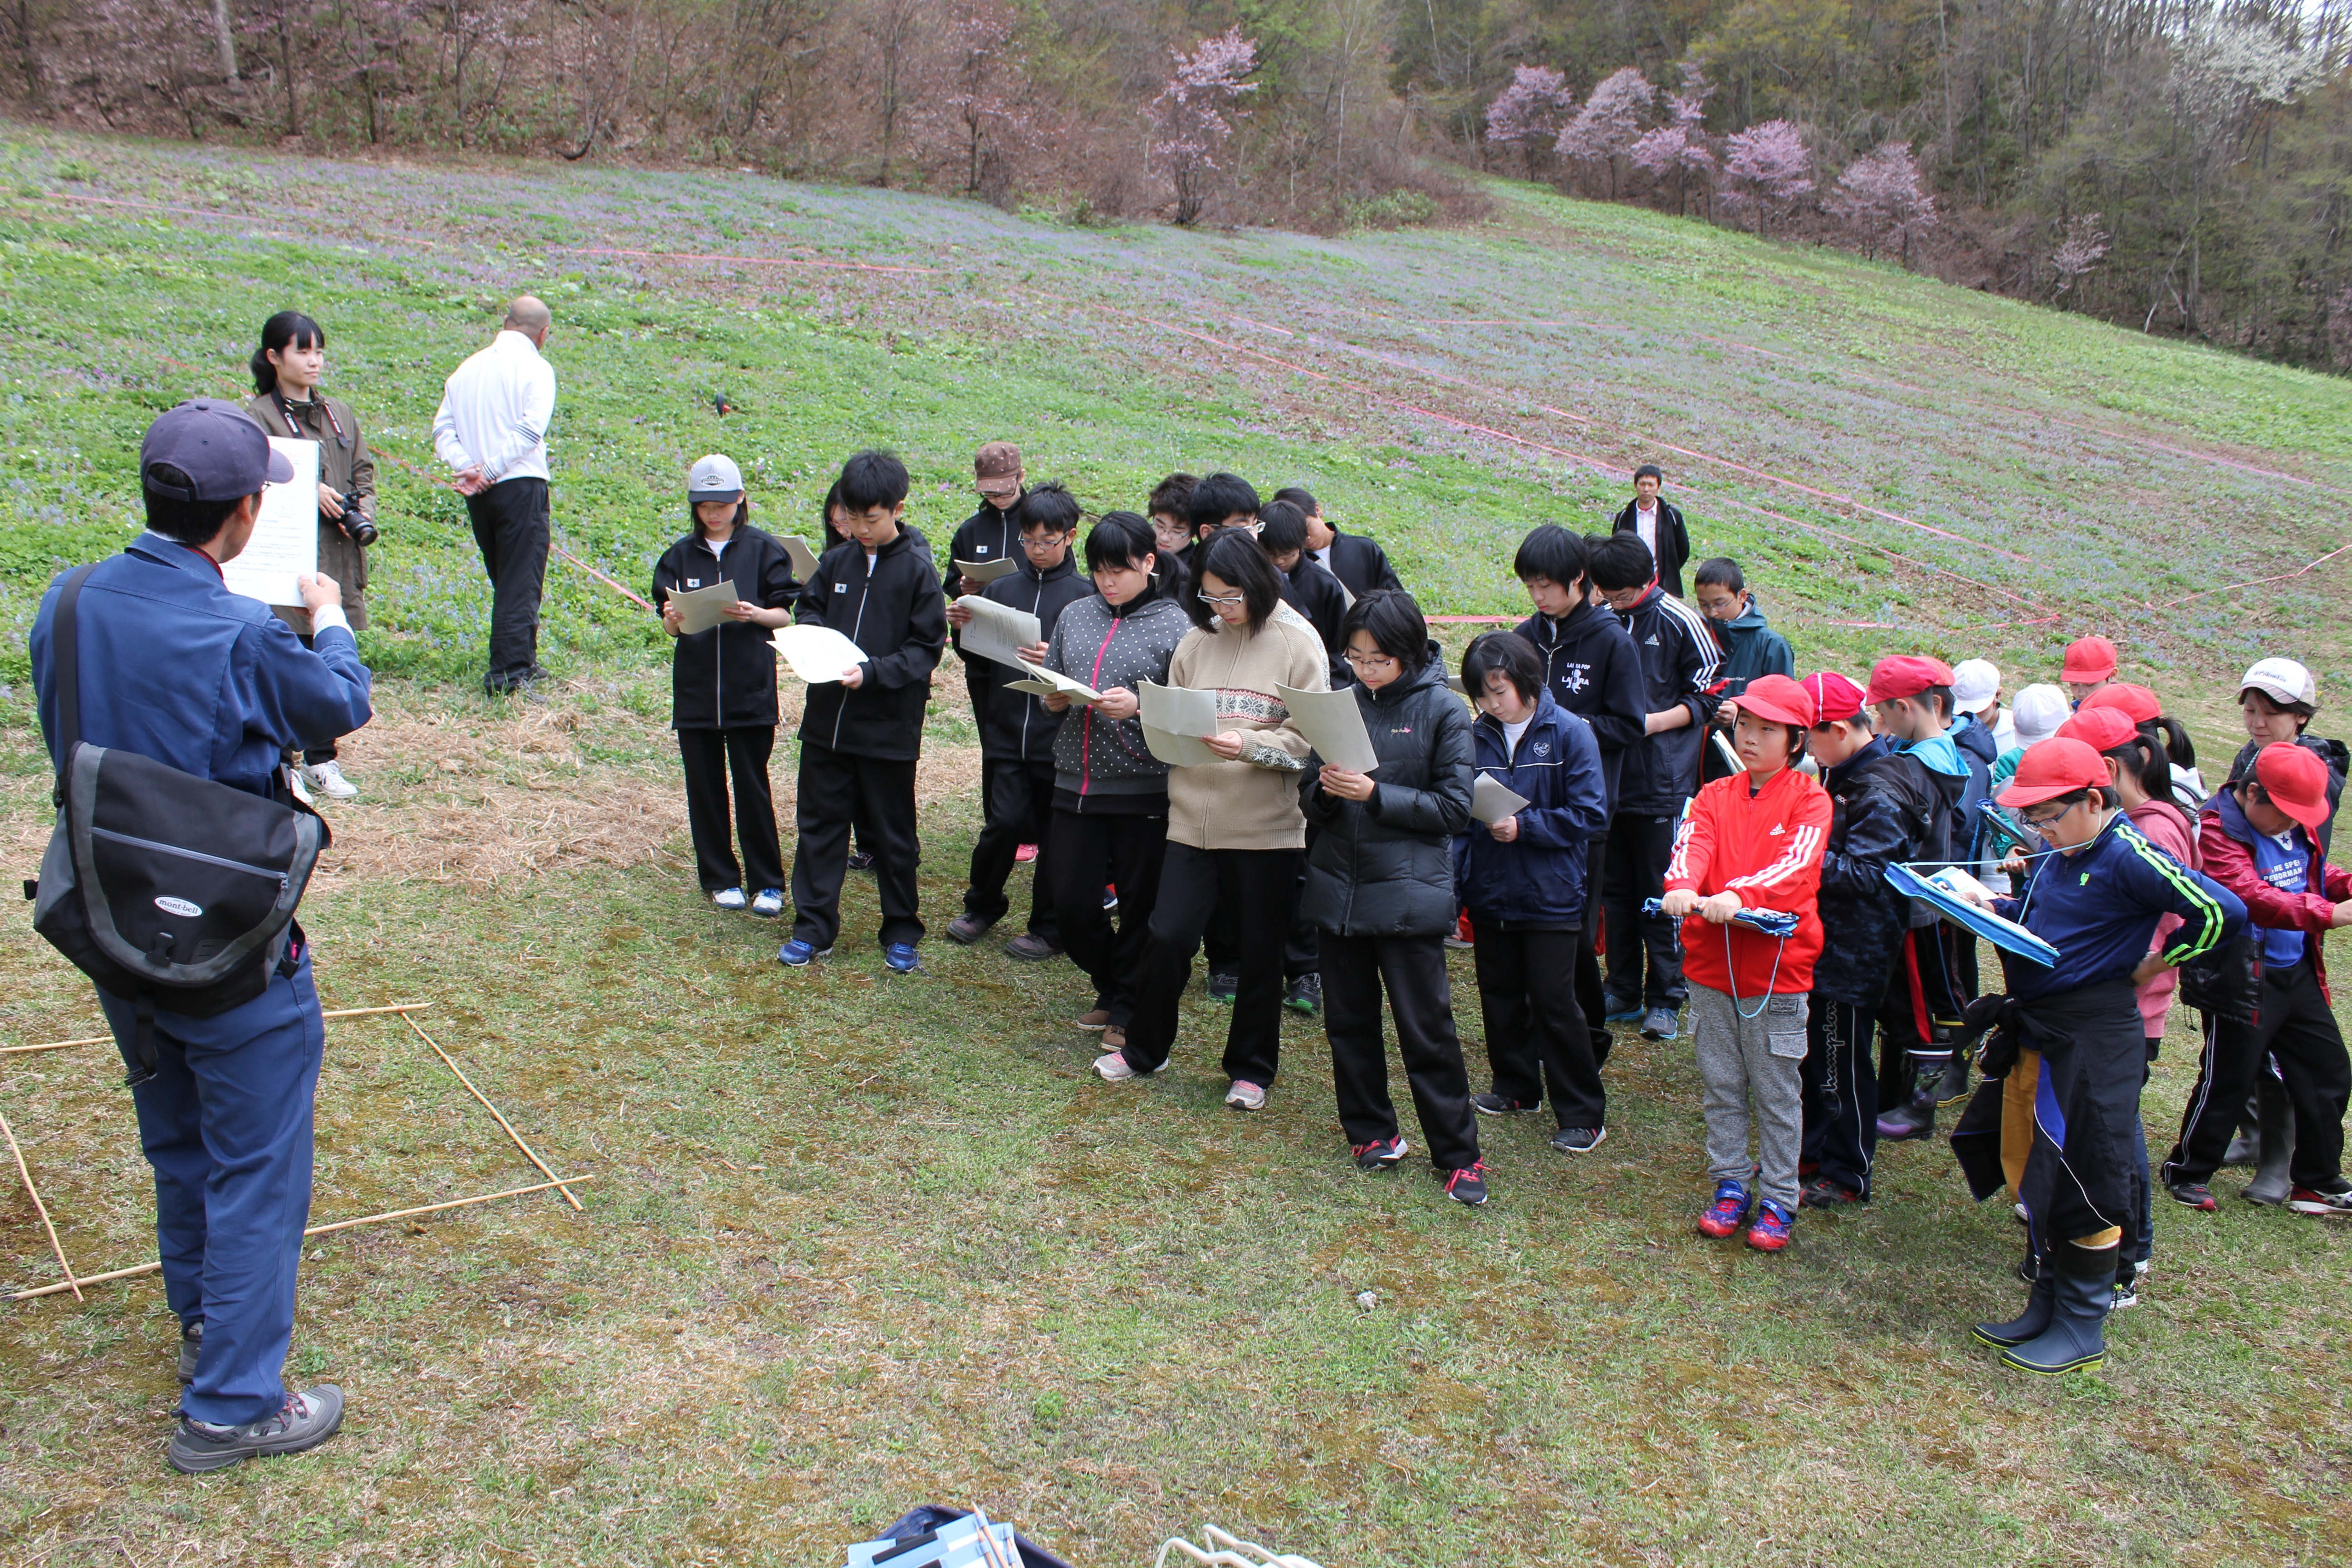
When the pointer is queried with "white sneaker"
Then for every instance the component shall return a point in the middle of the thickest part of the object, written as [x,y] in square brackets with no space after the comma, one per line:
[1248,1095]
[301,790]
[728,897]
[327,779]
[769,904]
[1115,1068]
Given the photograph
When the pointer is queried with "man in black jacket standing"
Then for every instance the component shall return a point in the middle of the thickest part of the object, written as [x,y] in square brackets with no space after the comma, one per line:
[1657,524]
[1356,559]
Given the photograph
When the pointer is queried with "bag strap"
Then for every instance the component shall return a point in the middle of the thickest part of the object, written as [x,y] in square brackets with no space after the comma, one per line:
[64,641]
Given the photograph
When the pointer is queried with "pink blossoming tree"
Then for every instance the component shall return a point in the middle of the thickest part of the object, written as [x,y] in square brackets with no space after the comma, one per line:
[1767,166]
[1606,128]
[1528,115]
[1189,117]
[1679,148]
[1881,197]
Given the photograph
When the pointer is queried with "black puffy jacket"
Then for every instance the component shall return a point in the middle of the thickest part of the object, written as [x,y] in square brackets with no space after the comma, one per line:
[724,678]
[896,614]
[1385,866]
[1881,807]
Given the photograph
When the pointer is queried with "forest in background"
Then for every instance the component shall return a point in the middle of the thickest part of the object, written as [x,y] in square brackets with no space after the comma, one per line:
[2173,165]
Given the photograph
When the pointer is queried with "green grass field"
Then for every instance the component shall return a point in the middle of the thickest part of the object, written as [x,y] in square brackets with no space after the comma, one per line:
[852,1244]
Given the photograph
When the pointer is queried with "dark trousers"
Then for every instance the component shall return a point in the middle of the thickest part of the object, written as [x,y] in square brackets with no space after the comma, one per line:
[1536,1033]
[710,758]
[1634,868]
[1590,998]
[510,527]
[1223,939]
[1839,1090]
[1413,969]
[1262,886]
[831,785]
[314,755]
[2296,1029]
[1019,799]
[1090,850]
[226,1122]
[1925,992]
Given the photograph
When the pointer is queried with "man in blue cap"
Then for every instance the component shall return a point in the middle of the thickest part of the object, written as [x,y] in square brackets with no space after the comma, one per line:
[175,667]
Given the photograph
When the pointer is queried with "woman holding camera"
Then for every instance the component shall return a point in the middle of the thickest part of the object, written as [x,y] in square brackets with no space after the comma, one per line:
[286,370]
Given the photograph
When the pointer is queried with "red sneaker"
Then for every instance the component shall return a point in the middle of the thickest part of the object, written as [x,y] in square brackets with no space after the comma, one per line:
[1728,1213]
[1024,853]
[1771,1231]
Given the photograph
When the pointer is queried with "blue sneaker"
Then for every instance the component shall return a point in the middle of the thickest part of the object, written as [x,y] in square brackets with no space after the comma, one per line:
[1613,1011]
[799,955]
[899,958]
[769,904]
[1728,1211]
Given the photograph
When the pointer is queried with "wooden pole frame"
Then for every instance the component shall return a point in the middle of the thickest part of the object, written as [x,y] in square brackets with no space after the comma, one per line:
[108,1039]
[41,1208]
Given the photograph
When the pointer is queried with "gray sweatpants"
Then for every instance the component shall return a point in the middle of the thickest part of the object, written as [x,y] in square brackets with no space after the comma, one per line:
[1743,1059]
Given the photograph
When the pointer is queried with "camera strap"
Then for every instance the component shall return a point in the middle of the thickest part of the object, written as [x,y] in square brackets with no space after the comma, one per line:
[286,409]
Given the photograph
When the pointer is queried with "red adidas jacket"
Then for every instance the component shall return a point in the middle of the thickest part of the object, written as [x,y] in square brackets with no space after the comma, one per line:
[1767,847]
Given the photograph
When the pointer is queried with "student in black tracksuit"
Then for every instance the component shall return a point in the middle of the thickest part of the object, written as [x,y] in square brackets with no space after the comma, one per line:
[1170,512]
[859,860]
[723,686]
[1380,888]
[860,735]
[1017,733]
[1678,658]
[1881,805]
[1590,669]
[1356,559]
[991,534]
[1318,595]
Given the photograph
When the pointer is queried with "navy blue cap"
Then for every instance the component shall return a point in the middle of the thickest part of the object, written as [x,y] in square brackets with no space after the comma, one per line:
[205,449]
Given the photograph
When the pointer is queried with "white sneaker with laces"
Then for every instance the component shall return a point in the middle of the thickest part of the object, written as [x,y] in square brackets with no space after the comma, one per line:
[769,904]
[1248,1095]
[327,779]
[728,897]
[1115,1068]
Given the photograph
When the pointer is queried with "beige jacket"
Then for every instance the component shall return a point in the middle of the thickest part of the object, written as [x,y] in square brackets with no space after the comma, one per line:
[1252,804]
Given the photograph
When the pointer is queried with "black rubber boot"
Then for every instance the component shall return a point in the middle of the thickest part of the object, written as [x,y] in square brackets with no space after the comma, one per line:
[2245,1144]
[2031,1324]
[1916,1117]
[1953,1085]
[2274,1116]
[2085,1292]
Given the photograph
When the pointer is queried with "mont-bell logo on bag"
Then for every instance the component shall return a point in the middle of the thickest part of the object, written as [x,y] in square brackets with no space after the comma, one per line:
[181,906]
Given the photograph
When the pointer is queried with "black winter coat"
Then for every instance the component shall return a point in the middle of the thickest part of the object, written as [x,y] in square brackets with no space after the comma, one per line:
[986,535]
[1385,866]
[1359,563]
[1592,669]
[724,678]
[1880,804]
[897,616]
[1316,595]
[1674,543]
[1015,724]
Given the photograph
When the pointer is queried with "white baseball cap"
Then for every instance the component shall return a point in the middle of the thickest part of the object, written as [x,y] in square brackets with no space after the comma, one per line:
[714,477]
[2037,711]
[2282,681]
[1975,683]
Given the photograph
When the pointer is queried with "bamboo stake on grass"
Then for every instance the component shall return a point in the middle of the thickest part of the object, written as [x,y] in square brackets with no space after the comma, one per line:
[529,1154]
[315,1230]
[43,1209]
[106,1039]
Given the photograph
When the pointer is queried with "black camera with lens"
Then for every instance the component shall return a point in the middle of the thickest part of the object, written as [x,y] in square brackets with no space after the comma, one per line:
[354,522]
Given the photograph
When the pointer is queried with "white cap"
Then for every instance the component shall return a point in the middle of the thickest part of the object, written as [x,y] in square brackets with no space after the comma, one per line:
[2037,711]
[1975,683]
[714,477]
[2282,681]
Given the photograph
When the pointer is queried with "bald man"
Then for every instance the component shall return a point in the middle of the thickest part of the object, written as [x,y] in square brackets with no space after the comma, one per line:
[492,432]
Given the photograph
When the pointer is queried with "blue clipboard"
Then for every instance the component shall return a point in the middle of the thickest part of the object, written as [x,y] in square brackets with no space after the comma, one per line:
[1771,922]
[2006,935]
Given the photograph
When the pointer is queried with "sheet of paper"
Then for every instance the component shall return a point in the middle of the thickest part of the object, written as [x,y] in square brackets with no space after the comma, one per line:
[986,572]
[1333,723]
[817,654]
[1723,750]
[803,558]
[1045,682]
[285,541]
[999,632]
[1175,717]
[699,609]
[1491,802]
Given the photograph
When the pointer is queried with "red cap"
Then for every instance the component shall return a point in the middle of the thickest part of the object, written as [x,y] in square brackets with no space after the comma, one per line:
[1835,696]
[2056,767]
[1905,675]
[2101,728]
[2137,703]
[1776,699]
[2089,659]
[2295,780]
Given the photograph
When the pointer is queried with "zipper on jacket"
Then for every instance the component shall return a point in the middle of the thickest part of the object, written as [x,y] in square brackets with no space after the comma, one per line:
[111,837]
[864,592]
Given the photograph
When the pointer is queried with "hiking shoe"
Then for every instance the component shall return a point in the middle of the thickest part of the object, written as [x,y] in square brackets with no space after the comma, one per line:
[1221,987]
[1728,1213]
[769,904]
[967,927]
[2314,1201]
[1110,899]
[1579,1140]
[859,860]
[1821,1192]
[191,1344]
[728,899]
[1616,1011]
[1024,853]
[1467,1183]
[899,958]
[1495,1105]
[1114,1038]
[1661,1023]
[1115,1068]
[2193,1196]
[1381,1154]
[1771,1231]
[2126,1292]
[799,955]
[327,778]
[304,1421]
[1095,1018]
[1030,948]
[1245,1096]
[1304,995]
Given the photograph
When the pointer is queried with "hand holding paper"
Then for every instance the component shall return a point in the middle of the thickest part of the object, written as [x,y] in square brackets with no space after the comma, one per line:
[1334,724]
[987,572]
[1175,720]
[1042,682]
[998,632]
[1491,802]
[818,653]
[700,609]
